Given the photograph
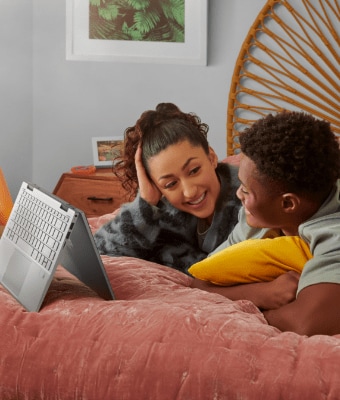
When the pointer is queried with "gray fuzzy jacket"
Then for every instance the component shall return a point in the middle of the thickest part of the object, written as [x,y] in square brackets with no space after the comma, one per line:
[165,235]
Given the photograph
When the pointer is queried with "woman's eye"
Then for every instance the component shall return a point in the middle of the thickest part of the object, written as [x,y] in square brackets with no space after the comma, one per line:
[170,185]
[243,190]
[194,171]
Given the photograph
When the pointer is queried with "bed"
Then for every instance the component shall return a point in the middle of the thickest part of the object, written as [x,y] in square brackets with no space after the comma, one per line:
[159,339]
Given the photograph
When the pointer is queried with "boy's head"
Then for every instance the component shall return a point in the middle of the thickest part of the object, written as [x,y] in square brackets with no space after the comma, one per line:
[294,151]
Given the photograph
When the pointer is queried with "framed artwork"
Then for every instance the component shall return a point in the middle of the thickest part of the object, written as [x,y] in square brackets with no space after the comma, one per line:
[105,149]
[153,31]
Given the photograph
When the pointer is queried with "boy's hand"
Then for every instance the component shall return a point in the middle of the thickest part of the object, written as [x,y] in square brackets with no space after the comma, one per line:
[147,189]
[281,290]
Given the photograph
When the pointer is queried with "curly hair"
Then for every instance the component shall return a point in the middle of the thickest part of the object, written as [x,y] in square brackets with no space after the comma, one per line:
[294,150]
[155,130]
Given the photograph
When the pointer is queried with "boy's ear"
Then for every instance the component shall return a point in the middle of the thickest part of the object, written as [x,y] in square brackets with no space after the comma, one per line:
[213,157]
[290,202]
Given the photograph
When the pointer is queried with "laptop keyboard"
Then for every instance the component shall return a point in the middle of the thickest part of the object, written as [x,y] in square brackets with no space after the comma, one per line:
[37,228]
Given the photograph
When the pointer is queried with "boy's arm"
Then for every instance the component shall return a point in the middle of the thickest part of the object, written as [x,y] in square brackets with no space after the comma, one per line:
[314,312]
[316,308]
[265,295]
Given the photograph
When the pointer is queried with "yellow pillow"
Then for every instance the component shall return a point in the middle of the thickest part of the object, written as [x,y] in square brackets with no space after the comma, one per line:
[253,260]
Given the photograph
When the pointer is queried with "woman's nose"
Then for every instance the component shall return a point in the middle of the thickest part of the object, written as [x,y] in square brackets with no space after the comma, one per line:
[189,190]
[239,193]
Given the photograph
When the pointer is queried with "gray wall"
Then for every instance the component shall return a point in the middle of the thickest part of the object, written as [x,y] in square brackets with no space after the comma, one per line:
[16,105]
[51,108]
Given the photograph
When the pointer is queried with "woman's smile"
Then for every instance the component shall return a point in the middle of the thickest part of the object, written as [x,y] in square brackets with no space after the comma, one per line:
[198,201]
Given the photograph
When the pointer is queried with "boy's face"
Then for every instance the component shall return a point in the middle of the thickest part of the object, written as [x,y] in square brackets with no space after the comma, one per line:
[262,203]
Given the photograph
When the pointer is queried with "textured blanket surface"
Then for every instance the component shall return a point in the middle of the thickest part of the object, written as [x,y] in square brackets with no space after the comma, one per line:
[159,339]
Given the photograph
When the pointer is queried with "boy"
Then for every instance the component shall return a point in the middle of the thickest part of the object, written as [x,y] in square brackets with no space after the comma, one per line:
[289,175]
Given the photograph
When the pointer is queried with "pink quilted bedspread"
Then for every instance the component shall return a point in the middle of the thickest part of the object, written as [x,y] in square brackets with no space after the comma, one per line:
[159,339]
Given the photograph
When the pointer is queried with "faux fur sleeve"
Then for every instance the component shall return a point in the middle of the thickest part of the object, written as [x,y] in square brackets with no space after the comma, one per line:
[133,232]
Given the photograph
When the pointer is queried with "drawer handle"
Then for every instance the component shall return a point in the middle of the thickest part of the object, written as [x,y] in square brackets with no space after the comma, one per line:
[94,198]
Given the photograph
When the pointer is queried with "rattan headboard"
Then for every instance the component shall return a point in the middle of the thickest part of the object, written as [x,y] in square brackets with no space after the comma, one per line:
[289,60]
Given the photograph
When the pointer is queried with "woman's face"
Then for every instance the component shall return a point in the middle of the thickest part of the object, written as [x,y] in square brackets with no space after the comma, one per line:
[186,176]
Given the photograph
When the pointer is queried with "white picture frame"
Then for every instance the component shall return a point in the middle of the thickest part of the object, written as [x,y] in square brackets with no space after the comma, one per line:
[105,149]
[192,51]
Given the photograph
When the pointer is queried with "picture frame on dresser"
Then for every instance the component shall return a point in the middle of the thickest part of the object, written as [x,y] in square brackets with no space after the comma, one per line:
[179,38]
[105,149]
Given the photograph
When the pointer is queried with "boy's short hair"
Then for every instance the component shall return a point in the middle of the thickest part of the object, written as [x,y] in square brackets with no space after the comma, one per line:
[295,150]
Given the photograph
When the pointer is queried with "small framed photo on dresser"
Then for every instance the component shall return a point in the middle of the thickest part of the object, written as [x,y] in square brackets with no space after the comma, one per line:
[106,149]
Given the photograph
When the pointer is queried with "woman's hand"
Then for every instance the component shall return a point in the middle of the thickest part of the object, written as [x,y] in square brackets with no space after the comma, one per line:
[147,189]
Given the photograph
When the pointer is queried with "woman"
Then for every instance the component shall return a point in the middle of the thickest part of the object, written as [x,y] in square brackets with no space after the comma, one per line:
[185,204]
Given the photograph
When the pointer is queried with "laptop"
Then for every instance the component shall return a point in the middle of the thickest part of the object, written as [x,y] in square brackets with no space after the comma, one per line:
[42,232]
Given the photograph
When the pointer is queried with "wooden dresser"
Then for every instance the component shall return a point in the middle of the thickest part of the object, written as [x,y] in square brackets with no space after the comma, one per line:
[96,194]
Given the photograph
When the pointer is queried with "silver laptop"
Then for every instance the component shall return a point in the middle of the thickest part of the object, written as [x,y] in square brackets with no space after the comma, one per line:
[43,232]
